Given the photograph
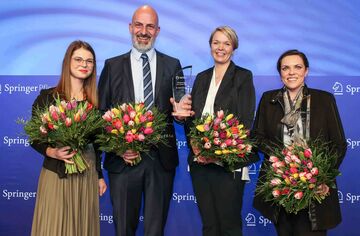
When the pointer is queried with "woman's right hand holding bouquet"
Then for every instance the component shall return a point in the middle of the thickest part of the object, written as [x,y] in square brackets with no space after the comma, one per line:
[199,158]
[130,156]
[61,154]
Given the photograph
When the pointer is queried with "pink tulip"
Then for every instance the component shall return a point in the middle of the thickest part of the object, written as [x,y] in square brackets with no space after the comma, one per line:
[298,195]
[141,137]
[123,107]
[68,106]
[117,123]
[217,141]
[207,145]
[295,159]
[54,115]
[129,138]
[220,114]
[68,122]
[216,134]
[309,165]
[273,159]
[308,153]
[206,127]
[302,174]
[83,116]
[126,118]
[308,176]
[62,116]
[217,121]
[223,145]
[233,142]
[148,130]
[222,126]
[279,164]
[43,130]
[150,118]
[132,114]
[276,193]
[275,181]
[142,118]
[228,142]
[293,170]
[314,171]
[107,116]
[287,159]
[73,104]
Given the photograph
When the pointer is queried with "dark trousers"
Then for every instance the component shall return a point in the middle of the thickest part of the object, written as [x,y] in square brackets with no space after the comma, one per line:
[296,225]
[219,196]
[149,180]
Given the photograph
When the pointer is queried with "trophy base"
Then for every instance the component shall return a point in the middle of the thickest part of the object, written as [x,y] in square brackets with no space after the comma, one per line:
[181,114]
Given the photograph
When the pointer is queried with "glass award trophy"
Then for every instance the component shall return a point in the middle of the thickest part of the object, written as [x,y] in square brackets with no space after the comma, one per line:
[181,87]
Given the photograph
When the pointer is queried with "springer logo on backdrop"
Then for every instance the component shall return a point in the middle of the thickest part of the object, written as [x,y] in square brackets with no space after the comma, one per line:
[340,89]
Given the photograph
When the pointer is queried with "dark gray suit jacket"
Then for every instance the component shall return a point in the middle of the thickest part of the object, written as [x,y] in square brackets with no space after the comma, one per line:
[116,87]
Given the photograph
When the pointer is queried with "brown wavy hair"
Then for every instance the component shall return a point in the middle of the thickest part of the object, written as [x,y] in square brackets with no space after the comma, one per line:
[64,86]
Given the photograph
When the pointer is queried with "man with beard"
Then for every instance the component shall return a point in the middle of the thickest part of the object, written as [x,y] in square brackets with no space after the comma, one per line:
[125,79]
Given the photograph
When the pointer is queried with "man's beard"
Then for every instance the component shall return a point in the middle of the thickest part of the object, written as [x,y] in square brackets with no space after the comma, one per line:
[143,47]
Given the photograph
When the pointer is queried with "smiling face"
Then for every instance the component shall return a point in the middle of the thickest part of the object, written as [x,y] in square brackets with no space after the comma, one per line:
[293,72]
[144,28]
[221,48]
[82,64]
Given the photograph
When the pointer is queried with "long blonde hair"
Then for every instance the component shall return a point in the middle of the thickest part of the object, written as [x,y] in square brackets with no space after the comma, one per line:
[64,86]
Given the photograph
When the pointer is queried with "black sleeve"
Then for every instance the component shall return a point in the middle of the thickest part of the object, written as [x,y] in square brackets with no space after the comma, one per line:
[336,131]
[263,143]
[246,104]
[104,88]
[41,101]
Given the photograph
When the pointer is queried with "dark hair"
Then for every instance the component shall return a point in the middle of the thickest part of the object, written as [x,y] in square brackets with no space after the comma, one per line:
[291,53]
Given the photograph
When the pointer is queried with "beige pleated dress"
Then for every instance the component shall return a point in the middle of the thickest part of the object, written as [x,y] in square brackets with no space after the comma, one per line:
[69,206]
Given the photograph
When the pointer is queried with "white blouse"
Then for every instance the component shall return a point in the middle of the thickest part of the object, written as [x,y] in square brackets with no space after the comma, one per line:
[209,109]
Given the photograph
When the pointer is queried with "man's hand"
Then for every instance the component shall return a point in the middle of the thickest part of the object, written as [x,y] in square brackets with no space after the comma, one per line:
[182,109]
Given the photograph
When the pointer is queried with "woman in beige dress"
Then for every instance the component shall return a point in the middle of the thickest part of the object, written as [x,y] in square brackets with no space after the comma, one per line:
[69,204]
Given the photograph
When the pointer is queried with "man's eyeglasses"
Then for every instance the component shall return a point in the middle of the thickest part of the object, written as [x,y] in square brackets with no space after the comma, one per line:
[80,61]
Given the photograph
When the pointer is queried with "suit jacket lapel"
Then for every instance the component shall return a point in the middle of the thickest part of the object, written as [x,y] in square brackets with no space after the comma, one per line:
[159,75]
[203,90]
[129,78]
[226,83]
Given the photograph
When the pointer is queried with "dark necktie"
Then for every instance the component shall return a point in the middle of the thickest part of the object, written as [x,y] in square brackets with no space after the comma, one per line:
[148,91]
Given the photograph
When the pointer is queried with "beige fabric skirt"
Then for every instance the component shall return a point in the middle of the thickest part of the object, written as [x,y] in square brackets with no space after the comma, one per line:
[69,206]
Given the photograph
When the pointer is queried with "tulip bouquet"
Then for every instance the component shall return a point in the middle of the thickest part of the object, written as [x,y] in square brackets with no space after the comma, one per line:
[222,138]
[65,123]
[131,127]
[299,174]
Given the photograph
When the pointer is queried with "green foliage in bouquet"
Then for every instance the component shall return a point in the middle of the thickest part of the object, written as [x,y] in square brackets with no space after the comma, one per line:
[223,138]
[298,175]
[73,124]
[132,127]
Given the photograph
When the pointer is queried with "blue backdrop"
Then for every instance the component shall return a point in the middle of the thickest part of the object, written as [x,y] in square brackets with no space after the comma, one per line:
[35,34]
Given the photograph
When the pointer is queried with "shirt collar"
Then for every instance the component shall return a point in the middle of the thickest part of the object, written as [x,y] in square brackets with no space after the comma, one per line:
[137,55]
